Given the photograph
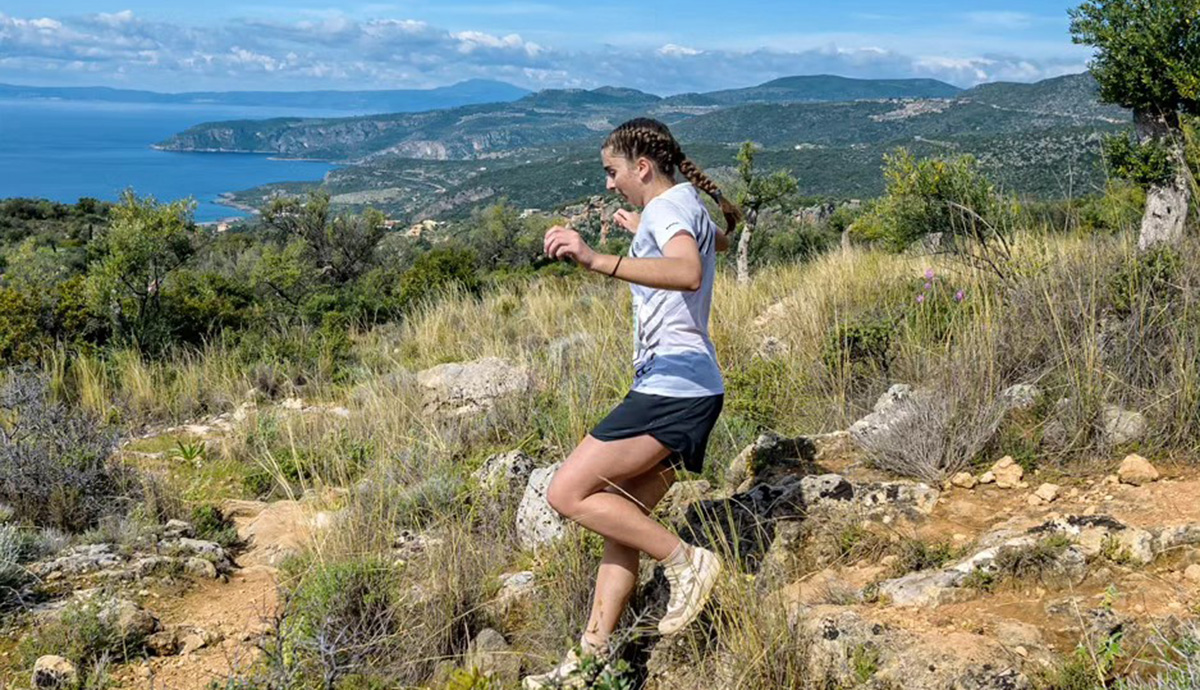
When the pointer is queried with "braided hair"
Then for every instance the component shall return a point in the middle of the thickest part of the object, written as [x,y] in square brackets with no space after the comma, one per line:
[650,138]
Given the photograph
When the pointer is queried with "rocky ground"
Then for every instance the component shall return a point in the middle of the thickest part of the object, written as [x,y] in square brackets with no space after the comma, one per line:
[1032,565]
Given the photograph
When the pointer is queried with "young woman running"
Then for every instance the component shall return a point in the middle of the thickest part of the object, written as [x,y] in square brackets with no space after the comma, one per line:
[621,470]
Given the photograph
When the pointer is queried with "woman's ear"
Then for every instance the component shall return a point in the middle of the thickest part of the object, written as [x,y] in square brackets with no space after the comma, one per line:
[645,169]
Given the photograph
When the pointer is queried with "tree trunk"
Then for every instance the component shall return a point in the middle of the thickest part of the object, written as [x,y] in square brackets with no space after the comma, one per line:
[743,259]
[1167,203]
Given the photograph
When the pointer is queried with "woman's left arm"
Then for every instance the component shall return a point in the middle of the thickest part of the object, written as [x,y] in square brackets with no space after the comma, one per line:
[679,268]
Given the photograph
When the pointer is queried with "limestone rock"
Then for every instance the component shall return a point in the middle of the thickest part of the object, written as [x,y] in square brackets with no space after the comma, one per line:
[1007,472]
[52,671]
[963,480]
[472,387]
[130,621]
[537,522]
[176,529]
[505,472]
[1122,426]
[1193,573]
[490,654]
[988,477]
[1021,396]
[1137,470]
[769,457]
[1047,492]
[200,567]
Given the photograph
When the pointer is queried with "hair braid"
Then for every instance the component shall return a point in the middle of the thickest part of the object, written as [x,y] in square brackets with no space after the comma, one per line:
[650,138]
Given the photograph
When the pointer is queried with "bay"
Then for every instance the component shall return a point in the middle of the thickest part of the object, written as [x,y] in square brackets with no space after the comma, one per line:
[64,150]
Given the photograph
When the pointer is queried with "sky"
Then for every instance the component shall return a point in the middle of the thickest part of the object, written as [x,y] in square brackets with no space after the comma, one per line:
[659,46]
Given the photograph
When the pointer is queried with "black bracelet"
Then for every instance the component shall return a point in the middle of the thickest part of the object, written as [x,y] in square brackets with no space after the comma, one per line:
[614,271]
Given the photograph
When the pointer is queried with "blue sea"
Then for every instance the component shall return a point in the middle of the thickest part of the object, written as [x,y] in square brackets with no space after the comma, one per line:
[63,150]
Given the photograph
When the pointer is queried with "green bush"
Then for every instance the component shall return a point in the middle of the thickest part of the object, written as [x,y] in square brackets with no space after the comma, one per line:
[437,270]
[339,618]
[210,523]
[86,632]
[934,195]
[859,348]
[1145,163]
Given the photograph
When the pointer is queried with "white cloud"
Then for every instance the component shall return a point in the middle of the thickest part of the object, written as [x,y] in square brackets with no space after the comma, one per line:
[333,50]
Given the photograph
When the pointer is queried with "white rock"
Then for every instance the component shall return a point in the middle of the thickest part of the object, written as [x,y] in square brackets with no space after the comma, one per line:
[537,522]
[1122,426]
[52,671]
[988,477]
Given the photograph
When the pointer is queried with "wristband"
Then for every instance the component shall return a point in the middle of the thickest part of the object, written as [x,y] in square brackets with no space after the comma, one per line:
[618,265]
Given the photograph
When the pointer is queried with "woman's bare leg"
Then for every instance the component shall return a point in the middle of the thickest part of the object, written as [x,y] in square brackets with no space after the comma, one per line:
[578,492]
[617,577]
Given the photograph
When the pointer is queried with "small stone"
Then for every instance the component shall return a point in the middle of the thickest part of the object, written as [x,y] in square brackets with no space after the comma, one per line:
[988,477]
[1112,479]
[1139,609]
[191,643]
[54,672]
[1007,472]
[1137,470]
[1021,651]
[964,480]
[1034,500]
[1193,573]
[1047,492]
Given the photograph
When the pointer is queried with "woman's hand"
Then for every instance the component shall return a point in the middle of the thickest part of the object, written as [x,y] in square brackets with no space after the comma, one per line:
[565,243]
[627,219]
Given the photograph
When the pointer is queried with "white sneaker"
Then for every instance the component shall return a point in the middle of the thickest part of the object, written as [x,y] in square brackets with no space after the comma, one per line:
[691,585]
[566,675]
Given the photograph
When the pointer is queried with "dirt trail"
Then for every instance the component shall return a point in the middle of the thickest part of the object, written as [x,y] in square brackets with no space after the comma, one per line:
[239,611]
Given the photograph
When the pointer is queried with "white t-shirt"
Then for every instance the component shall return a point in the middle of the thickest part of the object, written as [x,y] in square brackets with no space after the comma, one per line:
[673,355]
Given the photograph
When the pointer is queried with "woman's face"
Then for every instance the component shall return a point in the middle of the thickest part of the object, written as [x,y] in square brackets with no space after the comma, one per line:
[622,176]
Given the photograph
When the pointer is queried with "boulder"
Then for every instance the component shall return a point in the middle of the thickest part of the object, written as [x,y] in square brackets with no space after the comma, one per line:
[769,457]
[491,655]
[1122,426]
[471,387]
[177,529]
[55,672]
[537,522]
[1137,470]
[1021,396]
[505,472]
[131,622]
[201,568]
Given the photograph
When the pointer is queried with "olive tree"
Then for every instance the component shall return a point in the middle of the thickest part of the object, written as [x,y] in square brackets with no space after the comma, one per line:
[756,193]
[1148,60]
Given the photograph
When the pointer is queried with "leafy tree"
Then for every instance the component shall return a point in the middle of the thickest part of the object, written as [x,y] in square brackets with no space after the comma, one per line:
[756,193]
[340,248]
[1148,60]
[144,244]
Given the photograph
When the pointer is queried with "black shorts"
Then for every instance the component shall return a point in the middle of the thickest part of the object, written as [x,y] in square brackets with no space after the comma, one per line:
[680,424]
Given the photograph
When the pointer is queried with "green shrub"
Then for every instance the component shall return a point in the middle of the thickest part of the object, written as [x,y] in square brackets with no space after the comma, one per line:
[85,632]
[438,270]
[916,555]
[1143,163]
[859,348]
[339,618]
[751,390]
[934,195]
[211,524]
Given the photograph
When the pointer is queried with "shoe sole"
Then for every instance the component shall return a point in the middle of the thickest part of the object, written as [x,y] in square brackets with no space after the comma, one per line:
[706,587]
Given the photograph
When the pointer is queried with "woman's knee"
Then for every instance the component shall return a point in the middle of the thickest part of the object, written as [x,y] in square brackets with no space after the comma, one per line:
[562,498]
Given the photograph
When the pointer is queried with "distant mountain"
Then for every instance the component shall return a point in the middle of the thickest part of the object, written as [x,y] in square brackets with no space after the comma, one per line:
[1040,139]
[826,88]
[470,92]
[1073,95]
